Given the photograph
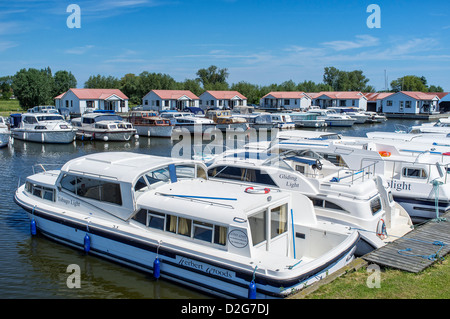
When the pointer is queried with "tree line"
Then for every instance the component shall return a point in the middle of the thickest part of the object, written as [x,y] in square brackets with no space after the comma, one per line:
[39,87]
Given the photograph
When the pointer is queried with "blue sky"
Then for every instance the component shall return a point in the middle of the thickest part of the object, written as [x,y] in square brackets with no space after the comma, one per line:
[258,41]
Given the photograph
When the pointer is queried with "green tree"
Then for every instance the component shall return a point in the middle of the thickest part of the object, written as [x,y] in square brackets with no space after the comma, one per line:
[251,91]
[409,83]
[102,82]
[192,85]
[63,81]
[345,81]
[434,88]
[129,85]
[33,87]
[5,87]
[213,78]
[155,81]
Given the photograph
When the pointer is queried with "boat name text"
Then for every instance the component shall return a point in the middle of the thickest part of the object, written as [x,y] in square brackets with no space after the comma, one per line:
[399,186]
[291,181]
[66,201]
[205,268]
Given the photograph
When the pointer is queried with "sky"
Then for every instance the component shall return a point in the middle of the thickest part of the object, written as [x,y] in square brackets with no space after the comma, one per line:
[258,41]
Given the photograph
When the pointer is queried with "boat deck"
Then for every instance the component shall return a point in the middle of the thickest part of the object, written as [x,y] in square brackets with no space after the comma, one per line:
[416,250]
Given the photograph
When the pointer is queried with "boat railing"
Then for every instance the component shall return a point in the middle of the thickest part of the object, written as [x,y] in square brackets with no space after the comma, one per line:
[351,176]
[398,165]
[38,168]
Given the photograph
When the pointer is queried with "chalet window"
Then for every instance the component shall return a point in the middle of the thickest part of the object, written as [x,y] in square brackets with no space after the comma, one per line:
[166,103]
[67,103]
[408,104]
[342,102]
[286,102]
[389,103]
[89,103]
[145,102]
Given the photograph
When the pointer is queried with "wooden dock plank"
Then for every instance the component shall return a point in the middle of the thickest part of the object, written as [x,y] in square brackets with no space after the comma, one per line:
[419,242]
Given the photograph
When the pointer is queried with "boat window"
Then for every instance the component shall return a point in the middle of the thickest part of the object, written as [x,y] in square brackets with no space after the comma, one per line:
[375,205]
[184,226]
[141,216]
[112,126]
[278,220]
[50,118]
[40,191]
[414,172]
[220,235]
[29,120]
[242,174]
[140,184]
[203,231]
[185,171]
[258,227]
[156,220]
[159,175]
[92,188]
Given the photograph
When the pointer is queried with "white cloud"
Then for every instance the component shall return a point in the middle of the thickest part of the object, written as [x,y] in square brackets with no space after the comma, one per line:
[79,50]
[5,45]
[362,41]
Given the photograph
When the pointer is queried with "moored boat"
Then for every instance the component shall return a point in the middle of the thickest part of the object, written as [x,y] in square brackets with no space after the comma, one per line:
[149,123]
[42,128]
[165,217]
[4,132]
[103,127]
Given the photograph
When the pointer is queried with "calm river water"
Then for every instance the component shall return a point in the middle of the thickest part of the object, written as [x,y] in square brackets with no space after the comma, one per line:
[35,267]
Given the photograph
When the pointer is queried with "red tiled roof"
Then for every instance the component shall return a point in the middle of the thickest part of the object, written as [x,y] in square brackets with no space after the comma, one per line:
[377,96]
[286,95]
[352,95]
[94,94]
[226,95]
[419,95]
[174,94]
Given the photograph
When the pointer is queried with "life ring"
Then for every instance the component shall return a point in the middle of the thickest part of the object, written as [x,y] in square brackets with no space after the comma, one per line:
[384,153]
[257,190]
[381,229]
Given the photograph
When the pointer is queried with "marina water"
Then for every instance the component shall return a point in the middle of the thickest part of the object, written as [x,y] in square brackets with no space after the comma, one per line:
[35,267]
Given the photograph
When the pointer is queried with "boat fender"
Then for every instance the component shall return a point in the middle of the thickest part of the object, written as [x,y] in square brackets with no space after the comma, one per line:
[252,290]
[384,153]
[156,268]
[446,153]
[87,243]
[381,229]
[33,227]
[257,190]
[105,138]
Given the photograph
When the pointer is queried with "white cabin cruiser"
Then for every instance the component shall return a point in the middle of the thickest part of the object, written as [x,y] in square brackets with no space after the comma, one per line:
[307,119]
[188,121]
[355,113]
[332,118]
[282,121]
[440,126]
[419,183]
[164,216]
[374,117]
[4,132]
[341,196]
[42,128]
[104,127]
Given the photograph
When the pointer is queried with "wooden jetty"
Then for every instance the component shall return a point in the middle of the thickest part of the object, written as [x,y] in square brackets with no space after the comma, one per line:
[416,250]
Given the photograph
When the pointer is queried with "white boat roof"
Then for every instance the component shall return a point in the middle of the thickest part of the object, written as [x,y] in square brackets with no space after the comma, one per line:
[198,199]
[120,166]
[303,134]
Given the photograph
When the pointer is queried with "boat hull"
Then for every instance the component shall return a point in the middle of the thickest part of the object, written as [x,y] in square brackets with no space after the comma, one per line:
[184,266]
[4,139]
[118,136]
[154,131]
[41,136]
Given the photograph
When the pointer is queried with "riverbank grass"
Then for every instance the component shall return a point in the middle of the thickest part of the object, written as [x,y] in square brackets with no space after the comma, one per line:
[431,283]
[9,106]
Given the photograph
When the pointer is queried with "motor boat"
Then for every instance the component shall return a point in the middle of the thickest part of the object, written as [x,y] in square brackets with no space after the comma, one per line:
[354,198]
[42,128]
[188,122]
[359,116]
[332,118]
[306,119]
[374,117]
[164,216]
[103,127]
[440,126]
[417,178]
[149,123]
[4,133]
[282,121]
